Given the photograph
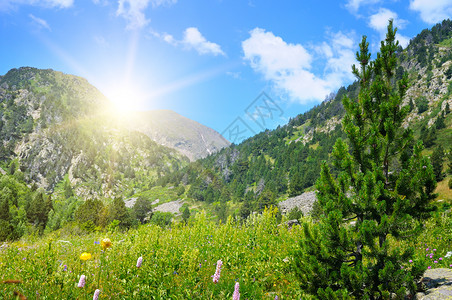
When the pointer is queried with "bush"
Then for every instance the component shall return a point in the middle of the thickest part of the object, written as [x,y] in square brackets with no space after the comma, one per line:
[422,104]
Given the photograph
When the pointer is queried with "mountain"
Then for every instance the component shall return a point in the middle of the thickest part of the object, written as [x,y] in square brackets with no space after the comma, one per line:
[276,164]
[58,126]
[170,129]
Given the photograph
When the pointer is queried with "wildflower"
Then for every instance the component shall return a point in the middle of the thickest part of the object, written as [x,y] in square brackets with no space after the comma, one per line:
[429,267]
[216,276]
[65,268]
[448,254]
[440,258]
[139,261]
[105,243]
[85,256]
[81,282]
[434,249]
[96,294]
[96,242]
[236,295]
[410,261]
[435,261]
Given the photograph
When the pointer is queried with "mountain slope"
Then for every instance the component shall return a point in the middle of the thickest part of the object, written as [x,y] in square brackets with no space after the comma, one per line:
[57,125]
[170,129]
[286,161]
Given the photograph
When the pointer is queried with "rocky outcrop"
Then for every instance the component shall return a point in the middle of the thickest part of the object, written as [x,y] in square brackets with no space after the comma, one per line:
[304,202]
[438,283]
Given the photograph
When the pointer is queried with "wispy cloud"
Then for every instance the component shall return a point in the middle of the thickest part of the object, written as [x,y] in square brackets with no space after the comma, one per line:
[40,23]
[101,41]
[289,66]
[14,4]
[193,39]
[379,22]
[432,11]
[134,11]
[354,5]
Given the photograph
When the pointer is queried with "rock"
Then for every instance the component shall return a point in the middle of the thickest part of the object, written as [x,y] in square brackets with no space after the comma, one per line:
[438,283]
[291,223]
[304,202]
[130,202]
[172,207]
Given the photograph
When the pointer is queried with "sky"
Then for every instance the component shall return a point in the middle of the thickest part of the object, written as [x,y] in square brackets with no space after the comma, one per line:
[237,66]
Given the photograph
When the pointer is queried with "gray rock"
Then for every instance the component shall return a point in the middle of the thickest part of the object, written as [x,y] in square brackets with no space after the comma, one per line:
[438,283]
[304,202]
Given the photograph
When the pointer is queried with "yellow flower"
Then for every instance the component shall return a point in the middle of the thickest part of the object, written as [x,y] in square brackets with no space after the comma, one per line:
[85,256]
[105,243]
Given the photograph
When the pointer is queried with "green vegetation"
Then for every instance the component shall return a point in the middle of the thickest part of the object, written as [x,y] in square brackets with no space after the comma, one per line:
[178,263]
[384,184]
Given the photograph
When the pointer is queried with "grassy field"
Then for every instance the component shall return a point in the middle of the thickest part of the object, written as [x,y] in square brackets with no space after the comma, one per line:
[179,262]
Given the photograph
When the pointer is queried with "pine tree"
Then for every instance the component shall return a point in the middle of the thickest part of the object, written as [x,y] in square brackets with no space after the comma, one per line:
[437,160]
[339,258]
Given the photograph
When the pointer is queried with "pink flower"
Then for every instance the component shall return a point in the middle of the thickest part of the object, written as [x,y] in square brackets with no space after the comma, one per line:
[96,294]
[216,276]
[139,261]
[236,295]
[81,282]
[435,261]
[429,267]
[440,258]
[410,261]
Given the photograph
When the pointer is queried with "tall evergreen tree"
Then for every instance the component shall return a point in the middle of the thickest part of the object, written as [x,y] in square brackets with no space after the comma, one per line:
[342,259]
[437,160]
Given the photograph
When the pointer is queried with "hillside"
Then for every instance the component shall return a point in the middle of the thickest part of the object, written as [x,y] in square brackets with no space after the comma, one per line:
[277,164]
[55,125]
[170,129]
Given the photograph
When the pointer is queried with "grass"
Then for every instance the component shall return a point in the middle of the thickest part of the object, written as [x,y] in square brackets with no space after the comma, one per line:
[177,262]
[443,190]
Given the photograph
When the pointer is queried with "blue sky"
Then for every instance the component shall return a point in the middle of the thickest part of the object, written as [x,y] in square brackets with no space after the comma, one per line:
[209,60]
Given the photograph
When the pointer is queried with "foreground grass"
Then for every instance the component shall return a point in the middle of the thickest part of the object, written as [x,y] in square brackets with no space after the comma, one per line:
[178,263]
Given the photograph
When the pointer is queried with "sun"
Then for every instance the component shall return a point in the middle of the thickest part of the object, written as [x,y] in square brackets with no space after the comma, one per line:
[126,97]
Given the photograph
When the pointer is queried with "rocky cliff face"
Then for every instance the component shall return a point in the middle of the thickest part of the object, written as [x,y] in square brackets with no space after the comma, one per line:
[170,129]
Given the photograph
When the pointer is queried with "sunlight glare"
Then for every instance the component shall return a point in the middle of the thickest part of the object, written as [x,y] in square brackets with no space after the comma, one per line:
[126,97]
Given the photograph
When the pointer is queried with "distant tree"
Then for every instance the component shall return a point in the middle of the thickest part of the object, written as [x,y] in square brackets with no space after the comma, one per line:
[185,214]
[449,164]
[422,104]
[142,209]
[117,210]
[245,210]
[295,184]
[39,208]
[338,259]
[68,192]
[437,160]
[439,123]
[90,211]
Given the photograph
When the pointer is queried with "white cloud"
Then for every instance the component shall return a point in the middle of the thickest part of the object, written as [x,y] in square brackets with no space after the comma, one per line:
[193,39]
[134,11]
[40,23]
[13,4]
[353,5]
[289,66]
[379,22]
[432,11]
